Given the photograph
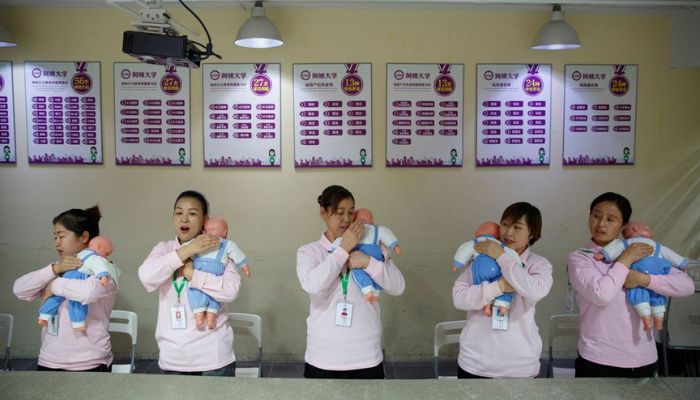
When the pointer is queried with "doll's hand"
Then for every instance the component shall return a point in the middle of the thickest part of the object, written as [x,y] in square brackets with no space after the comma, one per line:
[634,253]
[599,256]
[104,280]
[67,263]
[358,259]
[397,250]
[490,248]
[505,286]
[246,270]
[352,236]
[635,279]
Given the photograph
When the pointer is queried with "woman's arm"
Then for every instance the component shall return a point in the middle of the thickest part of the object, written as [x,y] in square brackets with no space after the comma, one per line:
[31,286]
[467,297]
[222,288]
[531,280]
[159,267]
[84,291]
[676,284]
[595,286]
[315,277]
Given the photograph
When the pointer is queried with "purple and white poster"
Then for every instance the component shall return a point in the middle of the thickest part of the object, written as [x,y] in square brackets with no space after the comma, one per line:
[64,107]
[7,114]
[425,110]
[513,114]
[332,115]
[242,115]
[152,114]
[600,105]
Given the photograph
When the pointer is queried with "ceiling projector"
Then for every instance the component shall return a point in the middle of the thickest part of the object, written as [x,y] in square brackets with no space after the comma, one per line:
[161,49]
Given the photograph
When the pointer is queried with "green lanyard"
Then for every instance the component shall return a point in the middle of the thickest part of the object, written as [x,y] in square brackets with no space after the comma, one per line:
[178,289]
[344,283]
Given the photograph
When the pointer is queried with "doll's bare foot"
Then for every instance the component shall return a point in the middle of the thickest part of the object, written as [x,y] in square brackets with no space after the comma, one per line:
[42,322]
[659,323]
[211,320]
[80,329]
[488,310]
[369,296]
[199,319]
[503,310]
[646,321]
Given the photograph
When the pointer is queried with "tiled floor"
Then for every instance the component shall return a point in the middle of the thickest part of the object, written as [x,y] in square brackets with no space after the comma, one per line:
[393,370]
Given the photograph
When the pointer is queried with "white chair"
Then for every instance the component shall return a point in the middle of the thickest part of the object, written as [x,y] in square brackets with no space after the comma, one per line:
[6,326]
[682,323]
[130,327]
[445,333]
[248,324]
[561,325]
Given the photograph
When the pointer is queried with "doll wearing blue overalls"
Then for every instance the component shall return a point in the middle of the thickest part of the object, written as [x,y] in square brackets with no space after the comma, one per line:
[93,265]
[485,268]
[369,244]
[649,304]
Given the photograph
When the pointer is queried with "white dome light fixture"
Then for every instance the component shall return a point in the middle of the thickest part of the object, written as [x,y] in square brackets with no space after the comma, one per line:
[556,34]
[258,32]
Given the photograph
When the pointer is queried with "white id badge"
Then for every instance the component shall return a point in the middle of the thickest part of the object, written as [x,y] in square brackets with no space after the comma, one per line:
[499,321]
[52,327]
[177,317]
[343,314]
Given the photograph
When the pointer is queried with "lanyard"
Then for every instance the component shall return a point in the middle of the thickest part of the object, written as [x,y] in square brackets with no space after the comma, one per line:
[178,289]
[344,283]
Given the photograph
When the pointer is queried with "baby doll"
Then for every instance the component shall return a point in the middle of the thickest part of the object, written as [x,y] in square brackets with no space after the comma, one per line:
[370,244]
[485,268]
[94,264]
[204,307]
[649,304]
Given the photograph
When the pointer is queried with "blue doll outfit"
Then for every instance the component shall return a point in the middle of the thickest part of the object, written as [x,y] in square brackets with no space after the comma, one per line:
[652,265]
[486,269]
[200,301]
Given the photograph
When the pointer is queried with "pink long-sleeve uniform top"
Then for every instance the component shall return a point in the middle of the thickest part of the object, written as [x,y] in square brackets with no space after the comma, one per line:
[513,353]
[190,349]
[334,347]
[72,350]
[611,331]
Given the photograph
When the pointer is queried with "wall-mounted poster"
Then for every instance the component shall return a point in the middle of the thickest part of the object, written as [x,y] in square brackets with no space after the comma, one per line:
[64,107]
[7,114]
[600,105]
[332,115]
[242,115]
[152,114]
[513,113]
[424,119]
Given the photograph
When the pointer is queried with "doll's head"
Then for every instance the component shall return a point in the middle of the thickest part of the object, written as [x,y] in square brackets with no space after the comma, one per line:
[364,215]
[216,226]
[636,229]
[101,246]
[488,228]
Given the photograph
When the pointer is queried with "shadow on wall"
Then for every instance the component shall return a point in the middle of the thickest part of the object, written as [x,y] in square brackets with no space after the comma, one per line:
[675,216]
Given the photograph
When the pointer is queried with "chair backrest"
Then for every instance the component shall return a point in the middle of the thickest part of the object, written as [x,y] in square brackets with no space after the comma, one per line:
[130,327]
[561,325]
[683,315]
[251,325]
[6,326]
[445,333]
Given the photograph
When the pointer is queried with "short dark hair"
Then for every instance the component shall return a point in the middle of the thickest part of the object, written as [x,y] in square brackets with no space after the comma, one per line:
[532,215]
[193,194]
[620,202]
[79,221]
[332,196]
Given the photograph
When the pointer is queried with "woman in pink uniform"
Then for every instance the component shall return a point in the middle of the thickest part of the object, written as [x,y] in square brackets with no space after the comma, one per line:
[185,349]
[62,347]
[505,346]
[343,330]
[612,341]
